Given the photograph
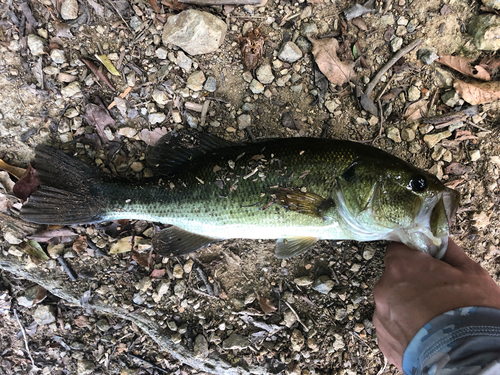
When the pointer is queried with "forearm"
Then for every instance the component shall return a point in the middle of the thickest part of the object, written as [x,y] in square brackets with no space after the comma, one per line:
[463,339]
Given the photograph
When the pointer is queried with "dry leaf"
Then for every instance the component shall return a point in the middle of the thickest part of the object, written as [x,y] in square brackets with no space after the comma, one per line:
[81,321]
[142,259]
[98,73]
[155,6]
[27,185]
[174,4]
[477,93]
[123,245]
[100,118]
[55,236]
[157,274]
[151,137]
[107,64]
[457,169]
[325,55]
[462,65]
[14,171]
[98,8]
[35,251]
[80,244]
[265,304]
[416,110]
[252,48]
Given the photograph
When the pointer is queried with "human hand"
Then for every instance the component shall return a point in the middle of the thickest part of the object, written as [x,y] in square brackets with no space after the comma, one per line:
[416,288]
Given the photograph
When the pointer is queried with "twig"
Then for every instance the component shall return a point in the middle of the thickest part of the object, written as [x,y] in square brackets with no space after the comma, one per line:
[72,275]
[383,90]
[205,280]
[203,293]
[24,337]
[390,63]
[297,316]
[221,2]
[381,129]
[149,363]
[120,15]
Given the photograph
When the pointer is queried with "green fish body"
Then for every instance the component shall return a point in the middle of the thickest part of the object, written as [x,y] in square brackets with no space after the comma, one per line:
[295,190]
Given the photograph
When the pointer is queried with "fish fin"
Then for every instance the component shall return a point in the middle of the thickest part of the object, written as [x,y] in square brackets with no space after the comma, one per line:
[176,149]
[69,192]
[292,246]
[174,241]
[305,203]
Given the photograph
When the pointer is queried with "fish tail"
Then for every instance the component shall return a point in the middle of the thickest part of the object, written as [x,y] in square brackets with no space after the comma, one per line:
[70,192]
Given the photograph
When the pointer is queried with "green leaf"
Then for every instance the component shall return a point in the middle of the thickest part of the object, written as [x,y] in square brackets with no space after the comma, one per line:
[355,51]
[108,64]
[34,250]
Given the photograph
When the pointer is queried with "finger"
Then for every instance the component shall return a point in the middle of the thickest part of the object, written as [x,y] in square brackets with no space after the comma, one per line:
[455,256]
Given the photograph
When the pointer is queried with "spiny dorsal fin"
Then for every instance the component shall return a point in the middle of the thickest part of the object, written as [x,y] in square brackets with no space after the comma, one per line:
[174,241]
[178,148]
[292,246]
[303,202]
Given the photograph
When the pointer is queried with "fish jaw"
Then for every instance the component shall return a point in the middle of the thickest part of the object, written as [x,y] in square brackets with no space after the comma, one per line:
[431,224]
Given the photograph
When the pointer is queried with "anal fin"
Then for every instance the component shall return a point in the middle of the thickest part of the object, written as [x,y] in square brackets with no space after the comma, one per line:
[293,246]
[174,241]
[306,203]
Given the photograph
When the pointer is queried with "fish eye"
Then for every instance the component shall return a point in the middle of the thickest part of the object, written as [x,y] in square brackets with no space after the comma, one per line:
[418,183]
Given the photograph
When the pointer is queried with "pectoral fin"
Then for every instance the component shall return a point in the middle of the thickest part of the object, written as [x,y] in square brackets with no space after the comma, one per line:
[304,202]
[174,241]
[292,246]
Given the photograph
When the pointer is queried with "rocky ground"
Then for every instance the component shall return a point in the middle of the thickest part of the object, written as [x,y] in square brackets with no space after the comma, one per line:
[232,307]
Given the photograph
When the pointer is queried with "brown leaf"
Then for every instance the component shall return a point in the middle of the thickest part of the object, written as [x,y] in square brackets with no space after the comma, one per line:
[56,236]
[155,6]
[157,274]
[490,63]
[265,304]
[100,118]
[325,54]
[457,169]
[143,259]
[80,244]
[14,171]
[41,293]
[252,48]
[151,137]
[98,73]
[27,185]
[477,93]
[416,110]
[82,321]
[62,29]
[359,23]
[462,65]
[174,4]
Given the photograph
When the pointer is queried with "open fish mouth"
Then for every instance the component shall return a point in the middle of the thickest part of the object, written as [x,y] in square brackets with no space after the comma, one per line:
[432,224]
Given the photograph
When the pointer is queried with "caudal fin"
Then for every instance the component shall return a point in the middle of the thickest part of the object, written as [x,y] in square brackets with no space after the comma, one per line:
[70,191]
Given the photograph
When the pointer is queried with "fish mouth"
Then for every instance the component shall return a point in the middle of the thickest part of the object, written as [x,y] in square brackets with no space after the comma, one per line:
[432,224]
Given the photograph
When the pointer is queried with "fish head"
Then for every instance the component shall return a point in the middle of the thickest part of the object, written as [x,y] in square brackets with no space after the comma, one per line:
[394,200]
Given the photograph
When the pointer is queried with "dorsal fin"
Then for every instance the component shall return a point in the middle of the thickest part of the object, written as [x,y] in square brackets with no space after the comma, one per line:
[178,148]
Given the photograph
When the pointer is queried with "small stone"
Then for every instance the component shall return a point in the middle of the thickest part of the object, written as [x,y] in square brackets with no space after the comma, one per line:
[163,288]
[57,56]
[393,133]
[437,171]
[307,29]
[188,266]
[200,347]
[244,121]
[289,318]
[414,147]
[247,76]
[103,325]
[368,253]
[265,74]
[172,325]
[306,12]
[44,315]
[438,152]
[451,98]
[485,29]
[407,135]
[434,139]
[304,44]
[480,220]
[396,44]
[85,367]
[161,53]
[235,342]
[192,120]
[180,288]
[331,105]
[402,21]
[176,338]
[413,93]
[136,166]
[69,9]
[475,155]
[303,281]
[138,299]
[184,62]
[176,116]
[157,117]
[338,344]
[160,97]
[144,284]
[71,90]
[296,88]
[247,107]
[195,81]
[427,55]
[323,284]
[443,77]
[289,52]
[297,340]
[426,128]
[178,272]
[210,84]
[256,87]
[51,70]
[35,44]
[495,4]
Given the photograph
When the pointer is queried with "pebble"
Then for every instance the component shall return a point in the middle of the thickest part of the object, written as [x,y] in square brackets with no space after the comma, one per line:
[195,81]
[85,367]
[297,340]
[71,90]
[306,12]
[338,344]
[443,77]
[35,44]
[51,70]
[265,74]
[393,133]
[235,341]
[451,98]
[247,76]
[307,29]
[396,44]
[57,56]
[475,155]
[176,338]
[304,44]
[144,284]
[69,9]
[303,281]
[256,87]
[296,88]
[29,297]
[492,4]
[184,62]
[414,147]
[289,318]
[160,97]
[103,325]
[368,253]
[437,171]
[331,105]
[434,139]
[407,135]
[323,284]
[244,121]
[484,29]
[178,271]
[172,325]
[210,84]
[161,53]
[157,117]
[248,107]
[188,266]
[427,55]
[180,288]
[438,152]
[44,315]
[289,52]
[195,31]
[192,120]
[413,93]
[137,166]
[176,116]
[200,347]
[163,289]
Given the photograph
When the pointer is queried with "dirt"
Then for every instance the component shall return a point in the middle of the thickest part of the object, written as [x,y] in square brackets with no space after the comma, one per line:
[319,333]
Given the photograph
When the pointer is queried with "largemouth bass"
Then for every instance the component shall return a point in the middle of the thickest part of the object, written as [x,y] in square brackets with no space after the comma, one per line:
[295,190]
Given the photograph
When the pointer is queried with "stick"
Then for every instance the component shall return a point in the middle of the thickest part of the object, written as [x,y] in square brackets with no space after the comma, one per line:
[222,2]
[24,336]
[390,63]
[72,275]
[297,316]
[149,363]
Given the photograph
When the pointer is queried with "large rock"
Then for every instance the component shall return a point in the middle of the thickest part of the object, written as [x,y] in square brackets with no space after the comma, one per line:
[194,31]
[492,3]
[485,29]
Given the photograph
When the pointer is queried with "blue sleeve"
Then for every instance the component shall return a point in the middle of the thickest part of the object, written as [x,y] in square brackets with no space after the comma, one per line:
[464,341]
